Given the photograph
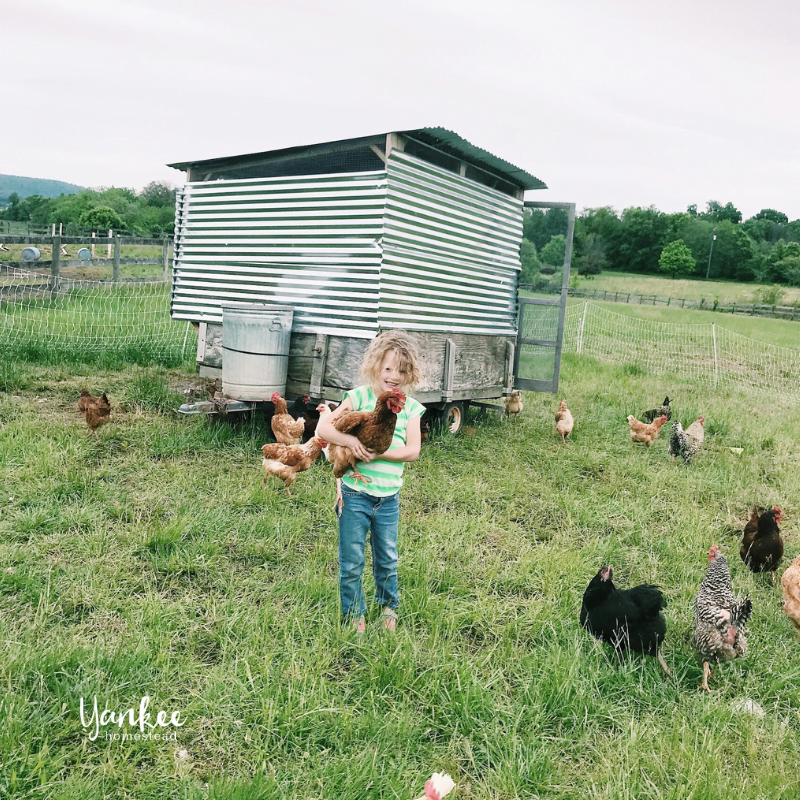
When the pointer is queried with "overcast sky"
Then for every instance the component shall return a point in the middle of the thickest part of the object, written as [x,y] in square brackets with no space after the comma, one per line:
[608,102]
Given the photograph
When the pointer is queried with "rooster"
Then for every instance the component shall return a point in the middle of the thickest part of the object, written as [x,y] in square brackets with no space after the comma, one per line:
[647,433]
[564,421]
[628,619]
[762,546]
[286,461]
[374,429]
[96,410]
[286,429]
[719,617]
[513,404]
[664,410]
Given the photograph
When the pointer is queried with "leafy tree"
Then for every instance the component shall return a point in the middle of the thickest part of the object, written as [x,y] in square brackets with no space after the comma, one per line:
[101,218]
[70,208]
[531,266]
[642,236]
[553,252]
[717,212]
[540,226]
[590,257]
[782,265]
[158,194]
[772,216]
[676,258]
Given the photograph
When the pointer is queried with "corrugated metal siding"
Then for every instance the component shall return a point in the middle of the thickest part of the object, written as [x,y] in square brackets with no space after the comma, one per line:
[308,241]
[450,252]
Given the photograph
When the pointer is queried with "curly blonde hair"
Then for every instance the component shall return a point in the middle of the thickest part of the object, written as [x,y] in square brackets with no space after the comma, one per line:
[406,349]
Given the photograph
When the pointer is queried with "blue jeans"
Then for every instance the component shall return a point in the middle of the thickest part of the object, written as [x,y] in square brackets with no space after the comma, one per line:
[379,516]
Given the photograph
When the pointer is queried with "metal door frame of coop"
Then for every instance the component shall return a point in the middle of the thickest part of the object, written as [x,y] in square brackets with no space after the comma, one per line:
[532,384]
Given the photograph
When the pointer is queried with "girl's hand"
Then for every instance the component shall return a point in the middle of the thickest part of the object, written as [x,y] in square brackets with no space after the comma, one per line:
[360,452]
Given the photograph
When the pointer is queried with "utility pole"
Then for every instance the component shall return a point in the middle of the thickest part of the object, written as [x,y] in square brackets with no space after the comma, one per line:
[710,251]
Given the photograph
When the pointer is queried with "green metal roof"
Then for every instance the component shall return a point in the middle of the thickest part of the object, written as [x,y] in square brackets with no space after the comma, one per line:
[452,144]
[442,139]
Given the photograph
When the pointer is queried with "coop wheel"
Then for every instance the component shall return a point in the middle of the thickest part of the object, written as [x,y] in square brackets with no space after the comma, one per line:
[452,417]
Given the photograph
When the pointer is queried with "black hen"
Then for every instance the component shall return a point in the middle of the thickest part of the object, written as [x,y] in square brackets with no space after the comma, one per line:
[664,410]
[628,619]
[762,548]
[299,410]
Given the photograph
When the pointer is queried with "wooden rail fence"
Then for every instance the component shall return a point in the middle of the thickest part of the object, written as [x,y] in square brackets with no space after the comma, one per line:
[745,309]
[57,261]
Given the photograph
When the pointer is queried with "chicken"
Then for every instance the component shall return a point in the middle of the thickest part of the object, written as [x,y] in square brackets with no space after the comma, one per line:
[762,548]
[564,421]
[285,461]
[663,410]
[324,409]
[678,445]
[790,581]
[374,429]
[513,404]
[695,434]
[96,410]
[647,433]
[628,619]
[286,429]
[719,617]
[212,387]
[299,410]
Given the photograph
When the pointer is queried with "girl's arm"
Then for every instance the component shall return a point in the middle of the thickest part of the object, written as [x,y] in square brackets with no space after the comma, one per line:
[410,450]
[326,431]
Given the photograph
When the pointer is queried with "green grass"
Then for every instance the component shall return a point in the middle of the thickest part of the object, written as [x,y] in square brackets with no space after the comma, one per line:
[783,333]
[724,291]
[147,559]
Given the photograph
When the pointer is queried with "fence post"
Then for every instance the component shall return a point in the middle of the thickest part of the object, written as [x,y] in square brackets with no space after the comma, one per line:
[55,264]
[583,322]
[93,236]
[115,267]
[166,259]
[716,366]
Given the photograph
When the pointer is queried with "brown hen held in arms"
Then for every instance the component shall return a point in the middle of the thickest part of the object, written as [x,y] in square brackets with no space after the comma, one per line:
[374,429]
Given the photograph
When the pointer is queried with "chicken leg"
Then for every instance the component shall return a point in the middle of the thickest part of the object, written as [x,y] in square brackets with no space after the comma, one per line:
[663,664]
[706,672]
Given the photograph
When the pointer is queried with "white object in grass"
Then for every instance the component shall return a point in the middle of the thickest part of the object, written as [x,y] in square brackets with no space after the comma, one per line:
[439,785]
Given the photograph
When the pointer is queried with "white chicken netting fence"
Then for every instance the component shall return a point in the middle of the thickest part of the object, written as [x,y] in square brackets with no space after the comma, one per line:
[74,317]
[705,352]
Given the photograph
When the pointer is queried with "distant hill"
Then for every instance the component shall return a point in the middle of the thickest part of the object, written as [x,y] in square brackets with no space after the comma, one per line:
[25,187]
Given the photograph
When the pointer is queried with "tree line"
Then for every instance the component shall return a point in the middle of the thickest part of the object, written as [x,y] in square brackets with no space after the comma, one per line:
[150,212]
[715,244]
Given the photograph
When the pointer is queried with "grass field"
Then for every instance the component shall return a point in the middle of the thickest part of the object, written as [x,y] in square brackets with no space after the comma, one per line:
[148,559]
[723,291]
[783,333]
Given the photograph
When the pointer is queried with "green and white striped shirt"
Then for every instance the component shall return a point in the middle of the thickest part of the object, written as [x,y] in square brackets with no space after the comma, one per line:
[386,476]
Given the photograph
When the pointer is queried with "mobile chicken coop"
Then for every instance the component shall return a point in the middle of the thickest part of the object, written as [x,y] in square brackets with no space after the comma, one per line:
[417,229]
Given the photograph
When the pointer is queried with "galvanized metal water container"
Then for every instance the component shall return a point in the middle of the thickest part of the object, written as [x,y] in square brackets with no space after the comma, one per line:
[255,350]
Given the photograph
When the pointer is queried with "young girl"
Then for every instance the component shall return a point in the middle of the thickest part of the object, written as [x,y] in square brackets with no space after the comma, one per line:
[391,361]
